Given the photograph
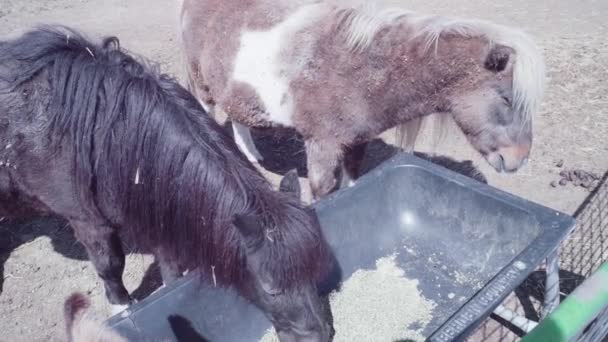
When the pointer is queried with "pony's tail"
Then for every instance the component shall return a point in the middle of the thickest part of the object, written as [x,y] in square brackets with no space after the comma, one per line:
[73,310]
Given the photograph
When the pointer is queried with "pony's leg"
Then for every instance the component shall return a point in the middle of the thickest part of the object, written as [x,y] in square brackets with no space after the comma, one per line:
[243,138]
[351,165]
[105,252]
[209,108]
[322,161]
[169,270]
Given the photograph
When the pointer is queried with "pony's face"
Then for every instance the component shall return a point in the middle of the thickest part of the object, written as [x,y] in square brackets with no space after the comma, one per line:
[299,314]
[486,113]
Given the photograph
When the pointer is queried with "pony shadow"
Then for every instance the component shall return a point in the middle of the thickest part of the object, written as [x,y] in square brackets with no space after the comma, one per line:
[17,232]
[183,330]
[283,150]
[151,281]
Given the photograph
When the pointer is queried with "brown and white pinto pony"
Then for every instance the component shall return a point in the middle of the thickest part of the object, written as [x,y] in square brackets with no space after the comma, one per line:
[342,75]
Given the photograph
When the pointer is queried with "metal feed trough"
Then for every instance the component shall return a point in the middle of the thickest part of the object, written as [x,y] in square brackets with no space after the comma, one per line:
[443,227]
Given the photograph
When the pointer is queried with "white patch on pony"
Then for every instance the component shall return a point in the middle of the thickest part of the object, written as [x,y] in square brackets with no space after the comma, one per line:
[258,63]
[243,139]
[118,308]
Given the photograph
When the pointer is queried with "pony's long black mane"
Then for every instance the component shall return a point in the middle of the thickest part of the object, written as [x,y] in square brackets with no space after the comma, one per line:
[144,146]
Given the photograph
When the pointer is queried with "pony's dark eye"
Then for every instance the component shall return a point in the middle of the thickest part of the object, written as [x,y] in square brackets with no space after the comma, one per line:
[275,294]
[506,100]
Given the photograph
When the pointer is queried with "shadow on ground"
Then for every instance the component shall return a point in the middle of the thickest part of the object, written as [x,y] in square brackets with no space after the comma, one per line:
[16,232]
[282,149]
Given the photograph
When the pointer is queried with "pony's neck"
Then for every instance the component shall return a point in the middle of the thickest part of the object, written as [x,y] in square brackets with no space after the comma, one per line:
[426,77]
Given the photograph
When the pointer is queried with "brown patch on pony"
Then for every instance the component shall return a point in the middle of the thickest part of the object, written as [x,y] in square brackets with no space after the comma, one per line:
[244,105]
[196,85]
[392,83]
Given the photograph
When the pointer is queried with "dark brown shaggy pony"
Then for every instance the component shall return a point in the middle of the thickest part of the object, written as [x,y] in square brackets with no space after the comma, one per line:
[92,134]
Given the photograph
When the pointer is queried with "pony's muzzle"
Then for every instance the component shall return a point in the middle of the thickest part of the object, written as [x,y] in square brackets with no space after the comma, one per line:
[509,158]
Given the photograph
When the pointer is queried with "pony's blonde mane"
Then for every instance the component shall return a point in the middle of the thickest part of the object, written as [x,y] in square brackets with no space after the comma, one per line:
[361,24]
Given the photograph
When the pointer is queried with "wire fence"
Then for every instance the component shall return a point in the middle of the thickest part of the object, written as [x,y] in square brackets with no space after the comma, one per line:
[580,255]
[587,247]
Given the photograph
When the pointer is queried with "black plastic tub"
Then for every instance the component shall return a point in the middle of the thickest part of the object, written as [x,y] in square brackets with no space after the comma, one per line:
[453,234]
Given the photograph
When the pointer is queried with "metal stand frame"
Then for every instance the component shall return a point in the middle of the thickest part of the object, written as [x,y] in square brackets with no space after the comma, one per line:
[550,303]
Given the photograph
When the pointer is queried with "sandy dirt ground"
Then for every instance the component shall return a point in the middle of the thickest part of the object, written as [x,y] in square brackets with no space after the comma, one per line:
[41,264]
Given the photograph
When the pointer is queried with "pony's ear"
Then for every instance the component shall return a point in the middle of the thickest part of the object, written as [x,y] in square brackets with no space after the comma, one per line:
[253,238]
[291,184]
[498,58]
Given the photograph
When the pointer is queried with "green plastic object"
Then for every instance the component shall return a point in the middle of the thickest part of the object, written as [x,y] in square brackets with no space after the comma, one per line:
[575,313]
